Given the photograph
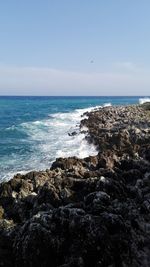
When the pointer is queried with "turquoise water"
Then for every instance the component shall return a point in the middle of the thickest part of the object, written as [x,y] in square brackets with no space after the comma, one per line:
[34,130]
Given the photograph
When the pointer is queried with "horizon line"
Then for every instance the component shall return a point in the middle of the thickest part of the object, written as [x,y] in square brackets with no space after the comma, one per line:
[74,95]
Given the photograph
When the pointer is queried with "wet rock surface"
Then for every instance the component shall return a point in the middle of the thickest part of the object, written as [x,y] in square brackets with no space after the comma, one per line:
[91,212]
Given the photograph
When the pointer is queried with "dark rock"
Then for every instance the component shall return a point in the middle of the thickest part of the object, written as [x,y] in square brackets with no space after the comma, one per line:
[72,133]
[91,212]
[146,106]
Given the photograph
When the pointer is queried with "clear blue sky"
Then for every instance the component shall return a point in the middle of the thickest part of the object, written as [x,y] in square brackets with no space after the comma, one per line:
[75,47]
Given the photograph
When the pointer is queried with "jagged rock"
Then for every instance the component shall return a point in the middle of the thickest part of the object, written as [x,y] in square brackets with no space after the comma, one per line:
[1,212]
[146,106]
[91,212]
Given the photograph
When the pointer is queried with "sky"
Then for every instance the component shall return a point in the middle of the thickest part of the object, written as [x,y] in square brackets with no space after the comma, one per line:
[74,47]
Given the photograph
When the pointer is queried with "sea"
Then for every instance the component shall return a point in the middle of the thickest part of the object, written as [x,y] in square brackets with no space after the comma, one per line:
[34,131]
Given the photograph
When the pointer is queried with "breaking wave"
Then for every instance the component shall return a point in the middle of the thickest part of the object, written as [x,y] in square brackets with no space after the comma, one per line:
[57,136]
[144,100]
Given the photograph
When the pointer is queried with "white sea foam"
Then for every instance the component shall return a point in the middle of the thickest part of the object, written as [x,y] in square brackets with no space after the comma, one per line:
[144,100]
[49,139]
[107,105]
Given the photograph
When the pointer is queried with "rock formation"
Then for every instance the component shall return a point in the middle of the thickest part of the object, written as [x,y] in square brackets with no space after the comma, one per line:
[91,212]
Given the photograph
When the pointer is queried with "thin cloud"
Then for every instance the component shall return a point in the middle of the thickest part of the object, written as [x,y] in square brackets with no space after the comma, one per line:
[126,66]
[46,81]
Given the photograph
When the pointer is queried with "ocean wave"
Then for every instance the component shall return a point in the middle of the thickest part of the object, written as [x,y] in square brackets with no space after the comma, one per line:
[107,105]
[10,128]
[144,100]
[49,139]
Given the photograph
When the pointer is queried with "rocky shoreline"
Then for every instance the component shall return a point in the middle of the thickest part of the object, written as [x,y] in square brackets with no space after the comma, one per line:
[91,212]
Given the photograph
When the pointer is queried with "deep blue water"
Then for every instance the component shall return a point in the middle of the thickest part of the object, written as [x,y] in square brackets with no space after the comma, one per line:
[34,130]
